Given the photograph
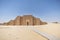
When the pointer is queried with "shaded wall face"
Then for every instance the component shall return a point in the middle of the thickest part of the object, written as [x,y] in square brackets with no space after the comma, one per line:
[36,21]
[17,21]
[10,22]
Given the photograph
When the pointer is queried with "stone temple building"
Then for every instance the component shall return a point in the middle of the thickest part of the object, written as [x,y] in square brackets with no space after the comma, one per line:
[25,20]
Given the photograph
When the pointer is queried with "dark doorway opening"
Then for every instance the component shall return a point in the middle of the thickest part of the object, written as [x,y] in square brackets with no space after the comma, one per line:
[27,23]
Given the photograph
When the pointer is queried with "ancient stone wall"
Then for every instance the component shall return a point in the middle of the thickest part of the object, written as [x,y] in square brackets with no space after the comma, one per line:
[11,22]
[17,20]
[25,20]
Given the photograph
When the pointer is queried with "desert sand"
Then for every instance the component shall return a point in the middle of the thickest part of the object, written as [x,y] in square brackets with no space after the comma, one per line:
[37,32]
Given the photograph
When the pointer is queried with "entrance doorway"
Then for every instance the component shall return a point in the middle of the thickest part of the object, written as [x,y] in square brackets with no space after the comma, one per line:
[27,23]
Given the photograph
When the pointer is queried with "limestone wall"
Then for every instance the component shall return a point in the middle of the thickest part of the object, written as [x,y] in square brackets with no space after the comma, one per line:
[25,20]
[17,20]
[11,22]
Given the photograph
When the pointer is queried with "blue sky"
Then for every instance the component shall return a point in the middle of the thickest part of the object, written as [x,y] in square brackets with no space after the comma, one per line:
[46,10]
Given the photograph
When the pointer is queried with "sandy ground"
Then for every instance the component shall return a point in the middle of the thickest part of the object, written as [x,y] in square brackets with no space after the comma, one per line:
[27,33]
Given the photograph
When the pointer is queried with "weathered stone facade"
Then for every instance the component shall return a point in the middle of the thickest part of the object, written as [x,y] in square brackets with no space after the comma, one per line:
[25,20]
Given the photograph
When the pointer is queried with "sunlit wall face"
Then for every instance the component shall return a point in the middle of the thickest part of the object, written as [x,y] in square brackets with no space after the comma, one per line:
[47,10]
